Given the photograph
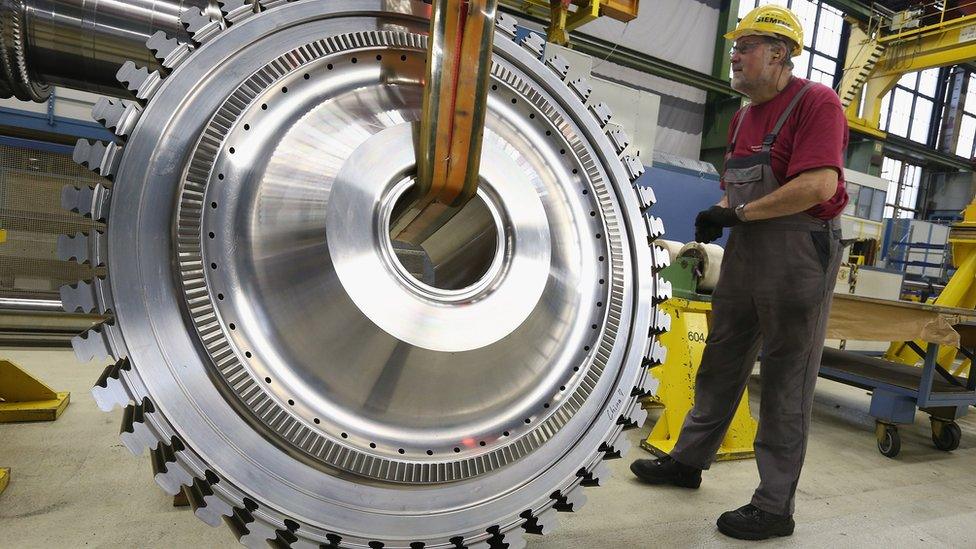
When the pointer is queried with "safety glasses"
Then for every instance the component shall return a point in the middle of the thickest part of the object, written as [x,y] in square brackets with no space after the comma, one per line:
[745,48]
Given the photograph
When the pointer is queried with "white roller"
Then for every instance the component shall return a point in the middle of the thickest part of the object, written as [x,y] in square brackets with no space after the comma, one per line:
[673,248]
[711,262]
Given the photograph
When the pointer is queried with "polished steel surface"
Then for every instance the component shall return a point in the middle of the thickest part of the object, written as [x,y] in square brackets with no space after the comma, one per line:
[81,44]
[314,381]
[431,316]
[15,79]
[539,291]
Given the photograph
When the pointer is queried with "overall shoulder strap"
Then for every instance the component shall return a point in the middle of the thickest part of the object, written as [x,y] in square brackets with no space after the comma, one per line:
[771,138]
[738,126]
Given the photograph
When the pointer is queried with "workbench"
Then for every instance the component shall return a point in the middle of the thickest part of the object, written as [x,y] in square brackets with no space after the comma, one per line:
[898,390]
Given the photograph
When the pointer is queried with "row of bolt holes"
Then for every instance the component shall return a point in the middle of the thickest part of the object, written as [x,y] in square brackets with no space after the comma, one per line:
[291,402]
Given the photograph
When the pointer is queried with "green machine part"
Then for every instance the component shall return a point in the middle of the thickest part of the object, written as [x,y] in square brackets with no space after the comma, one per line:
[684,274]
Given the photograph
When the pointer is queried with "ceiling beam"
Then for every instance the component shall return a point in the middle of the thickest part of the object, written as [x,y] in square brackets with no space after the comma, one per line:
[852,8]
[930,158]
[626,57]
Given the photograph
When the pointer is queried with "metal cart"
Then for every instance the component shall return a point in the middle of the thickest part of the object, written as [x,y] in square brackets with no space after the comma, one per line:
[898,390]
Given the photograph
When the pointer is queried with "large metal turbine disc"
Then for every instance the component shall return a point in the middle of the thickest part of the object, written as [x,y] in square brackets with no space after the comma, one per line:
[305,375]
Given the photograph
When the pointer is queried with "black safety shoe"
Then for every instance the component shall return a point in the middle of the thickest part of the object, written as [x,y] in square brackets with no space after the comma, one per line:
[752,523]
[666,471]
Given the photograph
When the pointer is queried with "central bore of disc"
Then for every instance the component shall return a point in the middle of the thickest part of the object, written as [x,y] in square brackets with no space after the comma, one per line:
[459,254]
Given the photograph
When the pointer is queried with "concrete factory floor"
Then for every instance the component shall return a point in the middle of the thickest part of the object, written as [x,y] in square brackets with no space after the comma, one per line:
[74,484]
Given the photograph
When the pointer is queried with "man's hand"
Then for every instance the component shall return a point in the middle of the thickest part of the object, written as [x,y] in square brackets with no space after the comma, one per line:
[707,233]
[718,215]
[709,223]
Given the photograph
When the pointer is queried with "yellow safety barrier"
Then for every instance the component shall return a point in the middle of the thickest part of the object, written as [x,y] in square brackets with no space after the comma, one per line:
[685,343]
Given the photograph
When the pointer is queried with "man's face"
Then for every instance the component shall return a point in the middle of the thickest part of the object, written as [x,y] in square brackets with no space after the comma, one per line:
[752,63]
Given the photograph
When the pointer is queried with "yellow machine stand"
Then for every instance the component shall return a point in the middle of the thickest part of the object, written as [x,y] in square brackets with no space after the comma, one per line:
[685,342]
[24,398]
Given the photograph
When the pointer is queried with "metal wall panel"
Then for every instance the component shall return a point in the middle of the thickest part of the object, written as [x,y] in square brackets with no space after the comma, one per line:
[667,118]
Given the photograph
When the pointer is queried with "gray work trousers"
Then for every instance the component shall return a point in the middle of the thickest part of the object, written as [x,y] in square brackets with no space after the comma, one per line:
[774,292]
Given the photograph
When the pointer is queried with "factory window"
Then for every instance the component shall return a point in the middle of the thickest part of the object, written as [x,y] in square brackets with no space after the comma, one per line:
[851,207]
[904,180]
[966,147]
[865,202]
[908,109]
[967,136]
[822,26]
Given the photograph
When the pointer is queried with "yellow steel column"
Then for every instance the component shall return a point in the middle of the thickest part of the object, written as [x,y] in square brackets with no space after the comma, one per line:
[587,12]
[558,12]
[875,90]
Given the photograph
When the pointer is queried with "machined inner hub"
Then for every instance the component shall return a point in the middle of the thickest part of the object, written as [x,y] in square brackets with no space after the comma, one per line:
[468,250]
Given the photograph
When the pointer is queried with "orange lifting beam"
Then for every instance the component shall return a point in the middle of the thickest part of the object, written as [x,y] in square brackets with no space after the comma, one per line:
[453,120]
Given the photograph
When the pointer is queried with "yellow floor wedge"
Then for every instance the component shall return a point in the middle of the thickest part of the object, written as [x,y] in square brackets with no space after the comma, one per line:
[25,398]
[685,342]
[4,478]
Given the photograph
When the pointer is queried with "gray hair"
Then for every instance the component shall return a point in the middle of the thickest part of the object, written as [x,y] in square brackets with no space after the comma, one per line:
[787,46]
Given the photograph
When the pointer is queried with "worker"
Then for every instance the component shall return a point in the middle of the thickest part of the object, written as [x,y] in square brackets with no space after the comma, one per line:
[784,188]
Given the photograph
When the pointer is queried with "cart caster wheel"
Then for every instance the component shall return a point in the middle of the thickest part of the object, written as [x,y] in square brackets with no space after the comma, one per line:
[947,435]
[889,441]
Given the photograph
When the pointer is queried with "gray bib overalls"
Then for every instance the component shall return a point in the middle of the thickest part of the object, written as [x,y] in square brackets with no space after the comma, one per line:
[773,293]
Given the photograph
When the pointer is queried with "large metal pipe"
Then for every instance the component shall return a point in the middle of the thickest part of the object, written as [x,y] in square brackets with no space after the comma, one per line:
[80,44]
[30,304]
[40,322]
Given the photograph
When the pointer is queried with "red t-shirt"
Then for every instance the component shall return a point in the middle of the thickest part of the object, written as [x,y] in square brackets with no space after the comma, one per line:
[814,136]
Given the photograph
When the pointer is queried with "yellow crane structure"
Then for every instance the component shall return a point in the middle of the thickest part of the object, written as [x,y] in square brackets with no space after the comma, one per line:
[568,15]
[882,50]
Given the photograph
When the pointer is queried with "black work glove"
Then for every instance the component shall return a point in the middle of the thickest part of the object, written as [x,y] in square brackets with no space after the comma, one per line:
[717,215]
[706,232]
[709,223]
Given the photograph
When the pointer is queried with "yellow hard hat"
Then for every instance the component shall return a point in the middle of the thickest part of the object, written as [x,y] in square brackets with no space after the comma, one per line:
[771,20]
